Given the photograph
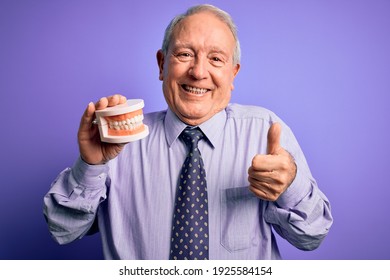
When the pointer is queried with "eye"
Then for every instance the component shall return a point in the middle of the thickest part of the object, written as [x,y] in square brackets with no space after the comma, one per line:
[217,61]
[184,56]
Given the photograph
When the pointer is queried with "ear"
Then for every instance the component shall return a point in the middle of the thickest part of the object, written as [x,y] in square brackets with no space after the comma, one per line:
[160,61]
[236,69]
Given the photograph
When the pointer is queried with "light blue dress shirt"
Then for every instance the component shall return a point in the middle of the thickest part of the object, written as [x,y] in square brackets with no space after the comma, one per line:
[132,196]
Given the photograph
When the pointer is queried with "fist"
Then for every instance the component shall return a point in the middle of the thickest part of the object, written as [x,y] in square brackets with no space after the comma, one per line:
[271,174]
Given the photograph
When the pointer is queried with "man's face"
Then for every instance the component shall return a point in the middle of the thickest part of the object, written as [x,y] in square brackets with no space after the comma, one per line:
[198,70]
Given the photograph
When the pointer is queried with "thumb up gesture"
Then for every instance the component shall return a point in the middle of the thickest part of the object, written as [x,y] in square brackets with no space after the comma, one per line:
[270,175]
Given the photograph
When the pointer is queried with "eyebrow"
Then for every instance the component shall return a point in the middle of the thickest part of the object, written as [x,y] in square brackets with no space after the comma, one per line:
[218,50]
[213,49]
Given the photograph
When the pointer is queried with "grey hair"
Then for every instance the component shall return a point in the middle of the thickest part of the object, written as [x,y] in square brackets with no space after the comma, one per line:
[222,15]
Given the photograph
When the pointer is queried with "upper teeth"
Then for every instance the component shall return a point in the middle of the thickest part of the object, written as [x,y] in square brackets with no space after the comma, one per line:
[128,124]
[194,89]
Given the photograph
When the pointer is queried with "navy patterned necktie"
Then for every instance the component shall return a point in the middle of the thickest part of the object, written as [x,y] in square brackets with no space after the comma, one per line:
[190,234]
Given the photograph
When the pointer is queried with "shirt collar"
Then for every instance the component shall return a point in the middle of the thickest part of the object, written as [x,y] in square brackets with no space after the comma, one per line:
[211,128]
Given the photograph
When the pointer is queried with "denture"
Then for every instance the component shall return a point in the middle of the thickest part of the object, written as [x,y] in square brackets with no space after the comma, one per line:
[122,123]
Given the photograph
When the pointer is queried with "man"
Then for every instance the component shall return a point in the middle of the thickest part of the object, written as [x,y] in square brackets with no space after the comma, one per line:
[257,177]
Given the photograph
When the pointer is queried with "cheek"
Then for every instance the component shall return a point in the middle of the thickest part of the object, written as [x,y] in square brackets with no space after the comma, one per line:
[167,92]
[171,95]
[169,82]
[174,69]
[225,82]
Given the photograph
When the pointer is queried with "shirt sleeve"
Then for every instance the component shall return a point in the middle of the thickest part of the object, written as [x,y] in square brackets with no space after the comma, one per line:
[302,214]
[71,204]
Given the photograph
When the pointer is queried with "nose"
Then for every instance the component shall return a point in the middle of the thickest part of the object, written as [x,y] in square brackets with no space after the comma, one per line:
[198,69]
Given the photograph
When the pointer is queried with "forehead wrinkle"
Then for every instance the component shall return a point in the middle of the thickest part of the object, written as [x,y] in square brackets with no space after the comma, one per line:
[182,37]
[179,44]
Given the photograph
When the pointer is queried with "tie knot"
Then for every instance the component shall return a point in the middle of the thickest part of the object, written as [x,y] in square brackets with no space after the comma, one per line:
[191,136]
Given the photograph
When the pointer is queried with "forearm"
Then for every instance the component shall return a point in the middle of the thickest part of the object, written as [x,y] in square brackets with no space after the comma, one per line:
[302,214]
[71,204]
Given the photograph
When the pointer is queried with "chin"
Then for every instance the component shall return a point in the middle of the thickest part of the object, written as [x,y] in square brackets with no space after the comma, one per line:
[196,119]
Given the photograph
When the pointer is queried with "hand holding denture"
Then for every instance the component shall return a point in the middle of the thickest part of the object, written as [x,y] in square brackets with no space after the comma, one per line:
[92,150]
[270,175]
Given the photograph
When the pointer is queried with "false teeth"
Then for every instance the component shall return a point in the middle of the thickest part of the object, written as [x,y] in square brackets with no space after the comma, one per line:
[127,124]
[122,123]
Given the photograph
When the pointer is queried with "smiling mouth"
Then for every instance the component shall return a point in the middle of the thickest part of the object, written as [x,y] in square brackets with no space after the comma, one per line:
[194,90]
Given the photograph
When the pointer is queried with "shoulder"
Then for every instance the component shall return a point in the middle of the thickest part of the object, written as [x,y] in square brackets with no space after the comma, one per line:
[249,112]
[154,118]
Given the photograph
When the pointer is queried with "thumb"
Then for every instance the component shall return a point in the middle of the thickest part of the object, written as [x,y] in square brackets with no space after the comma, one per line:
[273,138]
[87,118]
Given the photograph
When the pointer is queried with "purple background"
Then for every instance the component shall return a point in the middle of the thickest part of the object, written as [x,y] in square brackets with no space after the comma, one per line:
[323,66]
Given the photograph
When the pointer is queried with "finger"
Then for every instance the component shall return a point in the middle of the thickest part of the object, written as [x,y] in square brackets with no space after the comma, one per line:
[271,177]
[273,138]
[267,163]
[259,192]
[259,183]
[116,99]
[266,174]
[88,116]
[264,190]
[122,99]
[110,101]
[274,181]
[102,103]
